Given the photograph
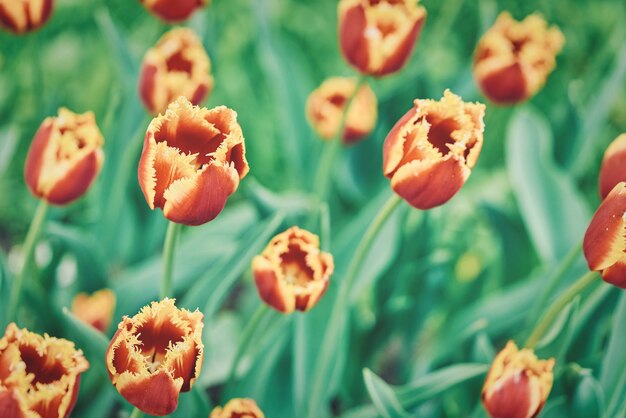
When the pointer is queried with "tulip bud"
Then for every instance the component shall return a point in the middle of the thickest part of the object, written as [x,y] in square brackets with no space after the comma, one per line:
[613,169]
[604,244]
[155,355]
[430,152]
[238,408]
[64,157]
[377,37]
[192,161]
[39,375]
[173,11]
[177,66]
[326,105]
[518,384]
[96,309]
[292,273]
[21,16]
[513,59]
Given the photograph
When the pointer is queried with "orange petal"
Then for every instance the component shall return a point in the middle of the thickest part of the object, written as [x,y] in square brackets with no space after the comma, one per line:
[25,16]
[516,396]
[271,290]
[75,182]
[506,85]
[35,157]
[403,51]
[612,170]
[353,44]
[9,405]
[156,394]
[173,11]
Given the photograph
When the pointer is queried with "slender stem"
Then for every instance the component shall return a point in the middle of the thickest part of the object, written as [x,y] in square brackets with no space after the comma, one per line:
[28,250]
[136,413]
[246,337]
[562,301]
[169,248]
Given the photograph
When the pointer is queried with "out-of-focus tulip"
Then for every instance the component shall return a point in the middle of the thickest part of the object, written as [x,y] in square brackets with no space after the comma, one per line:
[172,11]
[238,408]
[177,66]
[64,157]
[20,16]
[613,168]
[96,309]
[39,375]
[604,244]
[292,273]
[377,37]
[430,152]
[155,355]
[326,105]
[518,384]
[192,161]
[513,59]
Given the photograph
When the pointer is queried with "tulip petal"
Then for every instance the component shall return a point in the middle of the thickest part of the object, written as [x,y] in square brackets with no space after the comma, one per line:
[271,290]
[616,273]
[352,25]
[613,166]
[155,394]
[506,85]
[516,396]
[9,405]
[77,179]
[403,50]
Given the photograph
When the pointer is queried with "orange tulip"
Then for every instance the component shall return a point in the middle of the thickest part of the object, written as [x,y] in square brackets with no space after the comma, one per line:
[238,408]
[20,16]
[96,309]
[39,375]
[65,157]
[513,59]
[613,169]
[377,36]
[178,65]
[192,161]
[155,355]
[518,384]
[326,104]
[604,244]
[292,273]
[430,152]
[172,11]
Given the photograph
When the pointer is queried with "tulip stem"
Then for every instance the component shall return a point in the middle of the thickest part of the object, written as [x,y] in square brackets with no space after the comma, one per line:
[136,413]
[169,248]
[28,251]
[559,304]
[245,338]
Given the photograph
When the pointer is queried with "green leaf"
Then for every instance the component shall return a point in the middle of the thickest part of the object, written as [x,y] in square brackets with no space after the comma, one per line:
[613,372]
[93,343]
[8,144]
[588,400]
[557,339]
[383,396]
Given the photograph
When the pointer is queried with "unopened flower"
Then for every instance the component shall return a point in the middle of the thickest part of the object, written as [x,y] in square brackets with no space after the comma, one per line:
[377,36]
[20,16]
[192,161]
[326,105]
[430,152]
[39,375]
[173,11]
[96,309]
[513,59]
[64,157]
[238,408]
[518,384]
[604,244]
[292,273]
[177,66]
[155,355]
[613,169]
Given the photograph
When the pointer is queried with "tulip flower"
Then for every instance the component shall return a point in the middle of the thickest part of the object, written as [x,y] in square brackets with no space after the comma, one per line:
[96,309]
[177,66]
[238,408]
[613,169]
[430,152]
[20,16]
[292,273]
[39,375]
[192,161]
[173,11]
[377,37]
[326,105]
[517,384]
[513,59]
[604,244]
[155,355]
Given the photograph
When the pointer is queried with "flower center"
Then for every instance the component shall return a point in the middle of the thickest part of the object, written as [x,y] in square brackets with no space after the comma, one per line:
[45,368]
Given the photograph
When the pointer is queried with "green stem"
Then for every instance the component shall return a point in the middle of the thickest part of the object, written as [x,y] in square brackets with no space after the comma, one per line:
[136,413]
[28,250]
[559,304]
[246,337]
[169,248]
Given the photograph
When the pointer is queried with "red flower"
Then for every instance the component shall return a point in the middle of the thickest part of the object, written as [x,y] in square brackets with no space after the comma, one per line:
[96,309]
[613,169]
[173,11]
[238,408]
[20,16]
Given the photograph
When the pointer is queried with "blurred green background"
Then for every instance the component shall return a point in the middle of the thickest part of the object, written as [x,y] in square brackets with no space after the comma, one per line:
[442,291]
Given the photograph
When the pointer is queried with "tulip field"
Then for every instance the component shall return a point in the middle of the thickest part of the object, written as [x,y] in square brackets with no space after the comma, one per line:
[312,209]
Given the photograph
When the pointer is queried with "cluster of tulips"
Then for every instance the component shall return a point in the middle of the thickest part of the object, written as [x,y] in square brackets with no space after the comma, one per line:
[194,158]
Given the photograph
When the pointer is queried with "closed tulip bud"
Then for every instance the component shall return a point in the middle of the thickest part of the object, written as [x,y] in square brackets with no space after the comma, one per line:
[177,66]
[613,169]
[292,273]
[326,105]
[192,161]
[430,152]
[238,408]
[172,11]
[155,355]
[604,244]
[377,37]
[20,16]
[64,158]
[96,309]
[513,59]
[517,384]
[39,375]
